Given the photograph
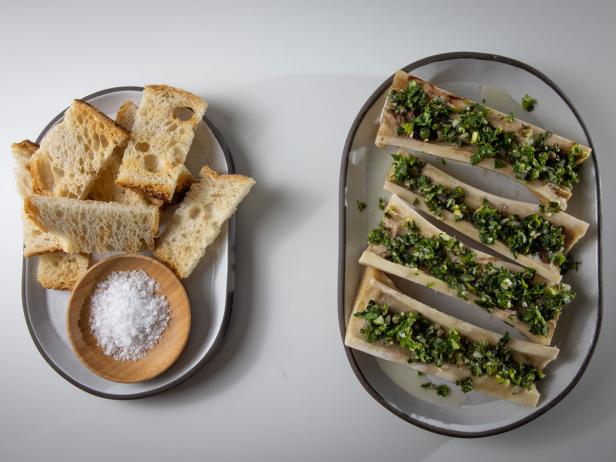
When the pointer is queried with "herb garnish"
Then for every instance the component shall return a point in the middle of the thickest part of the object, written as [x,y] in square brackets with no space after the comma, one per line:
[361,206]
[407,172]
[441,390]
[382,203]
[528,103]
[429,343]
[465,384]
[447,259]
[433,119]
[530,235]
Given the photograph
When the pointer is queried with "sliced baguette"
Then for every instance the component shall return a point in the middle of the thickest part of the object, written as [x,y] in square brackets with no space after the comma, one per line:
[162,133]
[574,228]
[377,287]
[400,212]
[36,242]
[91,226]
[199,219]
[388,136]
[61,271]
[74,152]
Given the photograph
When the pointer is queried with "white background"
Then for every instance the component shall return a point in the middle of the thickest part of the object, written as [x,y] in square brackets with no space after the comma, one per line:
[284,82]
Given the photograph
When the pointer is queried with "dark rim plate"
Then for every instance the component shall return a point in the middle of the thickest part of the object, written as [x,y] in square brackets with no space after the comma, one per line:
[342,246]
[229,299]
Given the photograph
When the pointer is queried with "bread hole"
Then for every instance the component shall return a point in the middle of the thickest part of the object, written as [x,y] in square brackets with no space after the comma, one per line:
[151,163]
[194,212]
[36,232]
[104,141]
[183,113]
[171,143]
[59,214]
[86,148]
[178,155]
[142,147]
[96,142]
[58,171]
[172,127]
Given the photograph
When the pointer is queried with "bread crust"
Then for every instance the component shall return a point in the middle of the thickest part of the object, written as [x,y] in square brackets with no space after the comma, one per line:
[167,91]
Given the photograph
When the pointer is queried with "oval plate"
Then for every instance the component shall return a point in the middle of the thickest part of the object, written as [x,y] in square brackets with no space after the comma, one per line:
[209,288]
[501,83]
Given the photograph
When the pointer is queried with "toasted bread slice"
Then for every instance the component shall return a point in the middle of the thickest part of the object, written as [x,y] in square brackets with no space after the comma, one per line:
[199,219]
[60,270]
[126,118]
[162,133]
[55,270]
[74,152]
[91,226]
[36,242]
[106,190]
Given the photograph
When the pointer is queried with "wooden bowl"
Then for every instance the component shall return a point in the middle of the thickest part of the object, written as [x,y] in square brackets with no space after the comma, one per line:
[162,355]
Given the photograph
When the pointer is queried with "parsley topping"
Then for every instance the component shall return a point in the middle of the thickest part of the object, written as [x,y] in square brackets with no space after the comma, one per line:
[429,343]
[528,103]
[433,119]
[465,384]
[530,235]
[382,203]
[447,259]
[406,172]
[441,390]
[361,206]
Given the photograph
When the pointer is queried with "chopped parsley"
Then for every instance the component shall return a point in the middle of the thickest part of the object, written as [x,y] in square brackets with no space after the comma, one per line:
[530,235]
[569,264]
[361,206]
[429,343]
[465,384]
[441,390]
[447,259]
[382,203]
[406,171]
[528,103]
[433,119]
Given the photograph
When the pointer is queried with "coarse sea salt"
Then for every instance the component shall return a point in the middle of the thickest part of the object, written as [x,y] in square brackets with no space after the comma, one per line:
[127,318]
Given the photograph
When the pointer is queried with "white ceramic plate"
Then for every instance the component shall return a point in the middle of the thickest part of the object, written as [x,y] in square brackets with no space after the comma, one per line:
[501,83]
[209,287]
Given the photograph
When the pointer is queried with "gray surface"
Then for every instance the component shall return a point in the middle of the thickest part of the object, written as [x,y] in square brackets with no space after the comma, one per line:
[284,84]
